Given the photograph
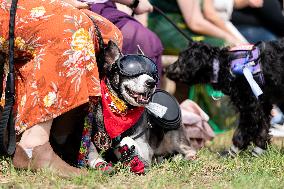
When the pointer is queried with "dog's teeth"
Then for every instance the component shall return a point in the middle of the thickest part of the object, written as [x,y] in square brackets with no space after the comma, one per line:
[141,98]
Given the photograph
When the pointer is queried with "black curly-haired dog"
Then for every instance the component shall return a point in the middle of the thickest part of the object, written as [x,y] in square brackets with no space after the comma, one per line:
[202,63]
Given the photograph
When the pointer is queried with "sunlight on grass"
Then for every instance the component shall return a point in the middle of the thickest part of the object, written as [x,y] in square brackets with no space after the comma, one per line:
[208,171]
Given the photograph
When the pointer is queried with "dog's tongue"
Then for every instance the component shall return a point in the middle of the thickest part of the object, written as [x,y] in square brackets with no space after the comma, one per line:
[135,95]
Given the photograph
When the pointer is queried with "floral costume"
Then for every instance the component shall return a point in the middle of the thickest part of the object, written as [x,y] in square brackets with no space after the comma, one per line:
[55,61]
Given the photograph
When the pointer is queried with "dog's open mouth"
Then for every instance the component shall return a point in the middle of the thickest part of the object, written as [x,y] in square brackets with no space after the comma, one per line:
[141,98]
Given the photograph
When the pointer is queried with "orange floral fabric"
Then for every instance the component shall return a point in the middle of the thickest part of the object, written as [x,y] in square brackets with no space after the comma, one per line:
[56,67]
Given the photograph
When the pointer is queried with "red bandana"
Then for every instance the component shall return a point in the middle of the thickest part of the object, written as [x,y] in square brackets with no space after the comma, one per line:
[116,124]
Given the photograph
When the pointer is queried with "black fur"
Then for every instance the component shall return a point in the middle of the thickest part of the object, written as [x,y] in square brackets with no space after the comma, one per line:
[195,65]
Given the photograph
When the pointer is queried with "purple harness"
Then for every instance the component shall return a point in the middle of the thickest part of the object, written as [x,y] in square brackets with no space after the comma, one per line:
[249,59]
[245,60]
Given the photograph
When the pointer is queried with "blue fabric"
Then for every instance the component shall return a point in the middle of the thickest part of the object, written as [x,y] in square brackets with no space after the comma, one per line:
[278,118]
[255,34]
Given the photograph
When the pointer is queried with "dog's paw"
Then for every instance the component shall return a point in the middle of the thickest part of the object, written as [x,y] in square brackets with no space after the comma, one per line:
[224,153]
[257,151]
[191,157]
[228,153]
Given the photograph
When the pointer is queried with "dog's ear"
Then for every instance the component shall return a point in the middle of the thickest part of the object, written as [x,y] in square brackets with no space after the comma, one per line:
[112,53]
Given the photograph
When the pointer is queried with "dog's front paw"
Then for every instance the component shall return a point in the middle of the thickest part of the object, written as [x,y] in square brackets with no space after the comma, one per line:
[191,157]
[224,153]
[257,151]
[232,152]
[129,158]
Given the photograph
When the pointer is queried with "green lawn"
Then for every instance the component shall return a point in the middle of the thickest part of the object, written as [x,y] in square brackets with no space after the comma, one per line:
[208,171]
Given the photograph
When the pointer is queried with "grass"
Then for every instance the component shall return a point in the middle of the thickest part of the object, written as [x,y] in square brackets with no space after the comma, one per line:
[208,171]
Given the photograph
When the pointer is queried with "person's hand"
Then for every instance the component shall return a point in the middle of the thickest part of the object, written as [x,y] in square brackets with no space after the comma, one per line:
[143,7]
[232,41]
[255,3]
[77,4]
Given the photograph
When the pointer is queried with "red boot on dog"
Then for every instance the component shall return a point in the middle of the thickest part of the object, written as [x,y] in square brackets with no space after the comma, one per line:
[129,158]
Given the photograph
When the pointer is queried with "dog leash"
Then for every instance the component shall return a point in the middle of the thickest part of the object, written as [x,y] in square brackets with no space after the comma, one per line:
[102,141]
[171,22]
[101,138]
[7,119]
[101,55]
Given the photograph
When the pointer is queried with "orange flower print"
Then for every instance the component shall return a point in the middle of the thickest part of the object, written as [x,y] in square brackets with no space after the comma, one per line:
[20,43]
[50,99]
[37,12]
[3,44]
[23,101]
[90,66]
[56,70]
[81,56]
[82,42]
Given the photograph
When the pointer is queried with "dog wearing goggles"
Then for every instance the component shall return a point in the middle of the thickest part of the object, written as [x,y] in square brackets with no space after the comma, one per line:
[251,75]
[127,83]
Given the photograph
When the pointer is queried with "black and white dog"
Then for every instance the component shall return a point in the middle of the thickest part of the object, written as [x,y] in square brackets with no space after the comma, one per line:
[127,84]
[130,81]
[253,77]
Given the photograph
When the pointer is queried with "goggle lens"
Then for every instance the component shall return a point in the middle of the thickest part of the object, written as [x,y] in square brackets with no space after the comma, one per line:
[133,65]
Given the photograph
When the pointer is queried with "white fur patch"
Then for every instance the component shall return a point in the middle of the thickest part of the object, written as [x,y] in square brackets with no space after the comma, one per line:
[137,85]
[142,149]
[93,156]
[129,142]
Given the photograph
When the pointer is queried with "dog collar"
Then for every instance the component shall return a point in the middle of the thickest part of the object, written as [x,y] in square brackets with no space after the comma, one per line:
[245,60]
[116,123]
[117,105]
[216,68]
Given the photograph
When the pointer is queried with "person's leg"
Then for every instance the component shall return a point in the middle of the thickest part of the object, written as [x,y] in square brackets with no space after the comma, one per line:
[36,135]
[255,34]
[35,152]
[235,31]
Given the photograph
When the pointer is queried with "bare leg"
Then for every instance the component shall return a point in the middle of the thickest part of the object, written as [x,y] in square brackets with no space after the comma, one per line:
[35,152]
[36,135]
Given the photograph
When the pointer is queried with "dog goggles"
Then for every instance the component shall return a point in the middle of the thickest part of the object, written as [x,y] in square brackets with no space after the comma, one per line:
[136,64]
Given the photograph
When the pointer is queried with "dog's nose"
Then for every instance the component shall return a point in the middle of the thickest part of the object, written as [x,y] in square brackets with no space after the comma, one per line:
[151,83]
